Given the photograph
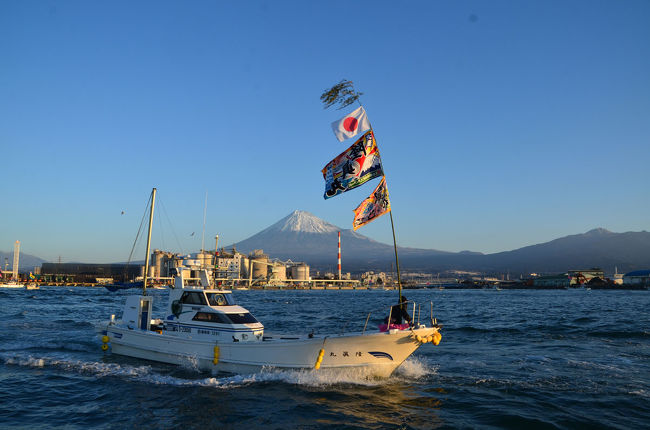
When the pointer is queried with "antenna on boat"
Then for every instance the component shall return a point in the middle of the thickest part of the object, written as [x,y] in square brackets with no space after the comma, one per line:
[146,259]
[205,210]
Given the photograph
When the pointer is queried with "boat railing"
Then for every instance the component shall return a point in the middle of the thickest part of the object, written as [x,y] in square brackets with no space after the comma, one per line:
[416,314]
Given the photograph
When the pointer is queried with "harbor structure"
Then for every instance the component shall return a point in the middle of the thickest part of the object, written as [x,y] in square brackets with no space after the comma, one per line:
[231,265]
[559,281]
[162,263]
[584,276]
[638,277]
[16,259]
[88,272]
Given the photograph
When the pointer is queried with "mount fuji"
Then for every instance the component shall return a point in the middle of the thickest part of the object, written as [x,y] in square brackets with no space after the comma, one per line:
[301,236]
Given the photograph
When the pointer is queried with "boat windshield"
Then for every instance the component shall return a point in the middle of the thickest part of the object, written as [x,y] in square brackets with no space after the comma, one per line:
[213,317]
[220,299]
[192,298]
[242,318]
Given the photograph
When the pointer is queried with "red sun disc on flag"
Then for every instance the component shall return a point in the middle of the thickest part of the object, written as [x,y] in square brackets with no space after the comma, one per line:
[350,124]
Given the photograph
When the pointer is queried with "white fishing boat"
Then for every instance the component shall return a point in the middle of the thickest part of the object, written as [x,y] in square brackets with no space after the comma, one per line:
[11,284]
[204,327]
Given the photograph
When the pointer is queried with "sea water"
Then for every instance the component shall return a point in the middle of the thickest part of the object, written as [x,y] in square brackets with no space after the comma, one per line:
[508,359]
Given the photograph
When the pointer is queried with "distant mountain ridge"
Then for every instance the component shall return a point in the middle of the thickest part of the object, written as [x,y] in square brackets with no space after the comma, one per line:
[301,236]
[26,262]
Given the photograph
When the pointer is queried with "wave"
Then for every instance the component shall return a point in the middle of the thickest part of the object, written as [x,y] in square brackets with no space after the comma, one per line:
[608,368]
[618,334]
[412,370]
[18,315]
[641,393]
[584,320]
[557,329]
[495,330]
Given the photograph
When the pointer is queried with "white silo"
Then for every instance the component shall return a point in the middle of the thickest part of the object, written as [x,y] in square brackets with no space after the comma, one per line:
[300,272]
[278,272]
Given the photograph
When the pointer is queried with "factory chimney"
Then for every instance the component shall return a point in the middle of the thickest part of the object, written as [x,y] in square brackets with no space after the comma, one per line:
[339,256]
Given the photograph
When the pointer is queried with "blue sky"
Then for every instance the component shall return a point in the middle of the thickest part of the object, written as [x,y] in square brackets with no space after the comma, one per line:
[501,124]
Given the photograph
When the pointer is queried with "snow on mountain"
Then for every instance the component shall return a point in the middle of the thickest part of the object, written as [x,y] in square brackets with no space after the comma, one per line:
[303,222]
[302,236]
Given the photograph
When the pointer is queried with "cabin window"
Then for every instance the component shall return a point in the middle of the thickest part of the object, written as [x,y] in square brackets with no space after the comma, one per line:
[242,318]
[219,299]
[211,317]
[193,298]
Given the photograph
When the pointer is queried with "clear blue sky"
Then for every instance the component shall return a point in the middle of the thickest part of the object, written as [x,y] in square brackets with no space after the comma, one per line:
[501,124]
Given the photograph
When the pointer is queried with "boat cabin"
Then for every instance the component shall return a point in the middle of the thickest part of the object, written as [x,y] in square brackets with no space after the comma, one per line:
[196,310]
[196,307]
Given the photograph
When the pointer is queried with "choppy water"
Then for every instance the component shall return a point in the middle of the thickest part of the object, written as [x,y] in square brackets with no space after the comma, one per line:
[508,359]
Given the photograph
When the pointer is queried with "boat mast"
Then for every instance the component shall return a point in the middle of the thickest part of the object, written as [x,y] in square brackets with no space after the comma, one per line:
[205,210]
[146,259]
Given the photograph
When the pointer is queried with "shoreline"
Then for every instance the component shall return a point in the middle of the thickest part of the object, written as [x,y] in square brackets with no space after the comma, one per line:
[383,288]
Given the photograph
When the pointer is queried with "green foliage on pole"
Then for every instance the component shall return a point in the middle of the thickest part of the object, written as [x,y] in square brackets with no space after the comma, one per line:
[342,93]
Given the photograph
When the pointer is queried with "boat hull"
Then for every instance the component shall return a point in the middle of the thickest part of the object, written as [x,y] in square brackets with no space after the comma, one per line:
[11,285]
[378,354]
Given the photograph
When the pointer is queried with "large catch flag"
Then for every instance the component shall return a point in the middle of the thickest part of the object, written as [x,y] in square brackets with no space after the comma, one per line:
[376,205]
[350,125]
[353,167]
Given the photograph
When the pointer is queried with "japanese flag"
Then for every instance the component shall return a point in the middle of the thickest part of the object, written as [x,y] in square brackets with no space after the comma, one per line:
[350,125]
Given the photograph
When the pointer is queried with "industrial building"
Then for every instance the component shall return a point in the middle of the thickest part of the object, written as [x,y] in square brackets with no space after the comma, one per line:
[638,277]
[230,268]
[550,281]
[258,268]
[579,277]
[86,272]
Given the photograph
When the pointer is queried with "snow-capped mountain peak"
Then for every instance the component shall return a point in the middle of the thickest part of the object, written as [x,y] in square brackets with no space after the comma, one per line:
[303,222]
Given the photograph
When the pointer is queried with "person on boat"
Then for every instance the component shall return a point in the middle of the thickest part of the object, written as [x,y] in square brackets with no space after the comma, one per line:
[399,314]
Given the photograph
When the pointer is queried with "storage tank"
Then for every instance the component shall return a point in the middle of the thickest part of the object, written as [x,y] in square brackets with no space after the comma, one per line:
[193,263]
[259,262]
[205,259]
[158,261]
[300,272]
[152,271]
[278,272]
[243,267]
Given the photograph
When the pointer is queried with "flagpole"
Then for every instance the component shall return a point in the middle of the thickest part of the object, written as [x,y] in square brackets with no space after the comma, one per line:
[399,279]
[392,227]
[332,96]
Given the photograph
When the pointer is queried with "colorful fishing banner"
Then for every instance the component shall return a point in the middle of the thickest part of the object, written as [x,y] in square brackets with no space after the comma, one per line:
[376,205]
[353,167]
